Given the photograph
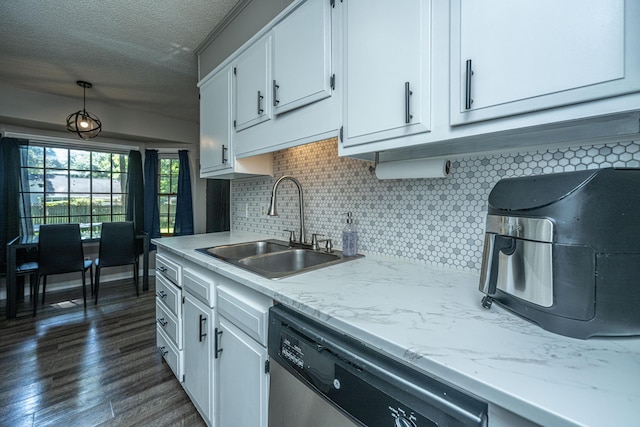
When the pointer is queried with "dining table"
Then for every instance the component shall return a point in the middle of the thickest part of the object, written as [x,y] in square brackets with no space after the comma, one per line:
[30,242]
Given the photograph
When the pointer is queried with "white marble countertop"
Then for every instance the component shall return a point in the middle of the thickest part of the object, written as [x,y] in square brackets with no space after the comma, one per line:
[432,319]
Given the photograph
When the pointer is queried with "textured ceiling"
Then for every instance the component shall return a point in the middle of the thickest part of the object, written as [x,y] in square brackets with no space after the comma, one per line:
[138,54]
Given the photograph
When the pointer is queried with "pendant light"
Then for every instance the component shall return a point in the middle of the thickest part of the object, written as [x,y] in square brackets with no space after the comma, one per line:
[83,123]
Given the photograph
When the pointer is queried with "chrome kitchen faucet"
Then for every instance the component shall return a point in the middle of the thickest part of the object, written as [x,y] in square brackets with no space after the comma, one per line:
[272,204]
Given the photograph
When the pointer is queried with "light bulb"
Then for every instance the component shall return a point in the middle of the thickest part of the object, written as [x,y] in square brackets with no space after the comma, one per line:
[84,124]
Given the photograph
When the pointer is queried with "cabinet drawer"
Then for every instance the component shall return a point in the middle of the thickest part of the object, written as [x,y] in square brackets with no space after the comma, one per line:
[169,268]
[170,353]
[199,286]
[169,294]
[168,323]
[246,309]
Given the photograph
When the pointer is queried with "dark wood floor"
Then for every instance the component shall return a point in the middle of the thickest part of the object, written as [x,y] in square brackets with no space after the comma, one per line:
[99,367]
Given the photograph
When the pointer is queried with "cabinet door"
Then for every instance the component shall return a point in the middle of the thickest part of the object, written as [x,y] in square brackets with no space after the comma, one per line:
[243,383]
[215,123]
[198,354]
[387,63]
[302,56]
[514,57]
[252,73]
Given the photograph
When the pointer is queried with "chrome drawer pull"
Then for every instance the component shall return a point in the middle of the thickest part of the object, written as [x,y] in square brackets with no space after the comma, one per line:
[467,90]
[407,103]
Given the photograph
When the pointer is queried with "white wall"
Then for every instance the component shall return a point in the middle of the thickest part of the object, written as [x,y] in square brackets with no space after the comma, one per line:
[44,111]
[44,115]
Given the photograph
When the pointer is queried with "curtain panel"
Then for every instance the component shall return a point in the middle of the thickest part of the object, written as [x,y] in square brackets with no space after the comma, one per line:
[9,194]
[135,190]
[151,209]
[184,203]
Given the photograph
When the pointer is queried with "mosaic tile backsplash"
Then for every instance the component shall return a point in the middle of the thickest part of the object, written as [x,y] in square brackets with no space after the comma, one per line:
[433,221]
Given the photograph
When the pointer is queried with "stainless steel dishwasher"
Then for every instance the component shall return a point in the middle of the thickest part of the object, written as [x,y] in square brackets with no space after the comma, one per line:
[320,378]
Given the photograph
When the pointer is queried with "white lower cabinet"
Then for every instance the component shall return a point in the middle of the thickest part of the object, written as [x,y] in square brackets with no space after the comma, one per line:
[198,307]
[243,381]
[169,312]
[222,362]
[199,372]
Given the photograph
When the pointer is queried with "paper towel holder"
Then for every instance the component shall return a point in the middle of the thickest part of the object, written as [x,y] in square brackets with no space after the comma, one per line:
[429,168]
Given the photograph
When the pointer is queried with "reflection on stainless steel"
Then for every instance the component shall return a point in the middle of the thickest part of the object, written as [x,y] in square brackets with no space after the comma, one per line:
[527,273]
[243,250]
[292,260]
[275,259]
[538,229]
[286,393]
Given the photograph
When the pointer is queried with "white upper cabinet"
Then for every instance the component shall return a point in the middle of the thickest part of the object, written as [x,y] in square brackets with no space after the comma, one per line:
[387,50]
[215,123]
[302,56]
[252,88]
[512,57]
[217,158]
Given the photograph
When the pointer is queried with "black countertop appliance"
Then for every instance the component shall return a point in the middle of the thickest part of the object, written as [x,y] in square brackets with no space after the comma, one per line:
[563,250]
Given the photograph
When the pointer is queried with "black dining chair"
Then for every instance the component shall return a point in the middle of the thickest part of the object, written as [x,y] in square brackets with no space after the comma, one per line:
[60,251]
[117,248]
[27,265]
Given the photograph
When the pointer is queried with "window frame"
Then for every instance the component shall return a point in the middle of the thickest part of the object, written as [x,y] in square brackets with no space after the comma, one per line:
[74,175]
[170,214]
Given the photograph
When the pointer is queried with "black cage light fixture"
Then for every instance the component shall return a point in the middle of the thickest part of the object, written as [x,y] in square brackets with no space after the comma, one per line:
[83,123]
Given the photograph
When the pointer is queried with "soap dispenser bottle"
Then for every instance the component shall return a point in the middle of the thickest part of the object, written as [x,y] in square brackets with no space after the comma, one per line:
[349,237]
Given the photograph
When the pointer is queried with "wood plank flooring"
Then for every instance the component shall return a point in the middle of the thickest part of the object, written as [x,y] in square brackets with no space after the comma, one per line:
[94,367]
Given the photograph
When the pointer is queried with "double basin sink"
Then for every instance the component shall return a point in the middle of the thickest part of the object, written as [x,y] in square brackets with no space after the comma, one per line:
[275,259]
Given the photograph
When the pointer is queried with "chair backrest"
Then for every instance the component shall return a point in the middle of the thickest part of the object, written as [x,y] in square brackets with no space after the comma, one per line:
[117,244]
[60,249]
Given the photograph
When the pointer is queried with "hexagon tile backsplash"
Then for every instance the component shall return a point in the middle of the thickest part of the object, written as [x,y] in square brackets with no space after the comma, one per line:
[433,221]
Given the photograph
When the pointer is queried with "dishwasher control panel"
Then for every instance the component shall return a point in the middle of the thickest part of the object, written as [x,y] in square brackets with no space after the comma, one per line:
[292,353]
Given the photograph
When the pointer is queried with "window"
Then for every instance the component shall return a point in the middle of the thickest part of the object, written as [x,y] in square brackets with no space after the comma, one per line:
[68,185]
[167,193]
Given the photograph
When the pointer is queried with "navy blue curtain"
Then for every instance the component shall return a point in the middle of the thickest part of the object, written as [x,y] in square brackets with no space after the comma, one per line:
[9,194]
[135,190]
[151,210]
[26,225]
[184,204]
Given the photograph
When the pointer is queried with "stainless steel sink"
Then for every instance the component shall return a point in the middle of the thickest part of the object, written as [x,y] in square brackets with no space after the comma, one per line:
[244,250]
[274,259]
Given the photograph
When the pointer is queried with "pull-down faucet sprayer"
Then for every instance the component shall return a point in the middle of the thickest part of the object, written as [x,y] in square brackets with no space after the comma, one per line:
[272,205]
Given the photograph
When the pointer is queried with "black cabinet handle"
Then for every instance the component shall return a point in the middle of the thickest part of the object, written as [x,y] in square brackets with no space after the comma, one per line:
[216,345]
[467,94]
[224,156]
[260,98]
[162,351]
[407,103]
[202,334]
[162,322]
[276,101]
